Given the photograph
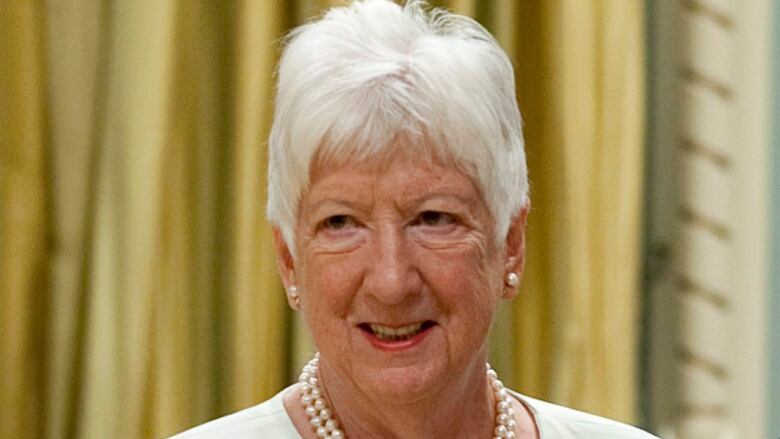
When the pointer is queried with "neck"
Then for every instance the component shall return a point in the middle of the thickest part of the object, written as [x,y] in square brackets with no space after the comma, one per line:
[457,409]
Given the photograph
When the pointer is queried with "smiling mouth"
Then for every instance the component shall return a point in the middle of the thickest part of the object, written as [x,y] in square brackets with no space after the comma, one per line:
[402,333]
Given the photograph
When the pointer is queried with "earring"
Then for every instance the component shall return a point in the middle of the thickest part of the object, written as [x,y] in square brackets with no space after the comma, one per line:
[512,279]
[292,292]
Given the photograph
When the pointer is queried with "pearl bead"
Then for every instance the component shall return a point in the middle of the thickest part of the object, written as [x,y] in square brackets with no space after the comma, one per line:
[320,416]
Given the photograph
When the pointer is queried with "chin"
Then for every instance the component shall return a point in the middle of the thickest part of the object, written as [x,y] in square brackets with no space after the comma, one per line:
[404,383]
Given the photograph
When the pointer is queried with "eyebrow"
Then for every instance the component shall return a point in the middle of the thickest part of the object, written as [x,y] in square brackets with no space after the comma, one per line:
[337,202]
[359,206]
[413,201]
[425,197]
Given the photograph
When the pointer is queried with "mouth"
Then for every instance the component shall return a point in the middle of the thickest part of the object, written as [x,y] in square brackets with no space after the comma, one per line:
[396,335]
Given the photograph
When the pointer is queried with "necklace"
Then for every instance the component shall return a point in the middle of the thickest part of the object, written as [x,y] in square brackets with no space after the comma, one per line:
[323,424]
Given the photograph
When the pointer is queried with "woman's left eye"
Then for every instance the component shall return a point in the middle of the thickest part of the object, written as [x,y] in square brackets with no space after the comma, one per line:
[432,218]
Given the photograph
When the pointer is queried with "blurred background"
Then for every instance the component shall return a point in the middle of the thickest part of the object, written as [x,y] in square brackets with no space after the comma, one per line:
[138,288]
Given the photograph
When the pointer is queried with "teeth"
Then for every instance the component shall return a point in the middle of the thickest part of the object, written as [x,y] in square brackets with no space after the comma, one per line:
[402,333]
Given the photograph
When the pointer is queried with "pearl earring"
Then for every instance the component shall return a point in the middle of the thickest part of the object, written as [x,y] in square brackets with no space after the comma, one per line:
[296,298]
[512,279]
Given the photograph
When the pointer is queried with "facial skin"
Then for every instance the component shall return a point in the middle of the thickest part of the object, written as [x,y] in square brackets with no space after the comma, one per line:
[396,244]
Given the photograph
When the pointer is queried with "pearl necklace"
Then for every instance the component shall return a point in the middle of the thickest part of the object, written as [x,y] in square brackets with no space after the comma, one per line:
[323,424]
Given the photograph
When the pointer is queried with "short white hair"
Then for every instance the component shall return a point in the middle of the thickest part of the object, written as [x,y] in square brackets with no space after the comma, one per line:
[353,81]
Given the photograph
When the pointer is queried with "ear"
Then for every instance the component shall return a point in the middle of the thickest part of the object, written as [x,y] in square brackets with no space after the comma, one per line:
[284,259]
[515,248]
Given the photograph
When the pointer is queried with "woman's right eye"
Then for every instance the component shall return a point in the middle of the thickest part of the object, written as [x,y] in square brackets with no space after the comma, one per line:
[338,222]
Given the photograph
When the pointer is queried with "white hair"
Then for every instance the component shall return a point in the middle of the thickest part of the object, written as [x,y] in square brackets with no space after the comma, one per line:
[353,81]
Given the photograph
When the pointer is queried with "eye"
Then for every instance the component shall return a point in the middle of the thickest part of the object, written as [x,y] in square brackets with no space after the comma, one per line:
[338,222]
[432,218]
[339,233]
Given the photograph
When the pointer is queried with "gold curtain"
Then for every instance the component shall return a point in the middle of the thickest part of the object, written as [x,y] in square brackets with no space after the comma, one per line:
[581,82]
[138,291]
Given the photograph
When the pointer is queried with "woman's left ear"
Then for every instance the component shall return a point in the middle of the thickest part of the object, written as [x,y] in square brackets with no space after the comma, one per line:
[515,251]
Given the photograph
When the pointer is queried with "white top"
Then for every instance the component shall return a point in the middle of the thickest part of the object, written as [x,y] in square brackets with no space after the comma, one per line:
[269,420]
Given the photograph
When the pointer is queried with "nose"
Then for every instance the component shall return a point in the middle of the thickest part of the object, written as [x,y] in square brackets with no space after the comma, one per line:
[393,276]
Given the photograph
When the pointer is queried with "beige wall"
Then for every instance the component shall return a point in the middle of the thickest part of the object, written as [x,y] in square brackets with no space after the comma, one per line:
[709,218]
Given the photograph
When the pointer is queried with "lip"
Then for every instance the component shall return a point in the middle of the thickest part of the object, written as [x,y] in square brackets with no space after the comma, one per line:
[397,345]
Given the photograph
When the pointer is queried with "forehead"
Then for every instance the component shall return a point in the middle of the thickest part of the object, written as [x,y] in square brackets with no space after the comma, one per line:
[400,175]
[421,151]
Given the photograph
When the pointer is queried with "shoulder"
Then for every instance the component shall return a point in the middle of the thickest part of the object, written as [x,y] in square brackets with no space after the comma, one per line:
[556,422]
[266,420]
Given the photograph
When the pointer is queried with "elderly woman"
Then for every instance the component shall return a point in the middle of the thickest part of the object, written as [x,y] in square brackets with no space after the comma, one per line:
[398,192]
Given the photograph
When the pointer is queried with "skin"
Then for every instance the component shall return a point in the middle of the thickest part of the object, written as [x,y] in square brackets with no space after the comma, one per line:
[393,244]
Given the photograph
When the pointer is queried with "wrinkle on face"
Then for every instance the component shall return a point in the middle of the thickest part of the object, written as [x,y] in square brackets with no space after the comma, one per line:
[392,270]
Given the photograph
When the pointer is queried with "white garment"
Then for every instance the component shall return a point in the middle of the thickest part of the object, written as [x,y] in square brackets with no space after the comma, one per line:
[269,420]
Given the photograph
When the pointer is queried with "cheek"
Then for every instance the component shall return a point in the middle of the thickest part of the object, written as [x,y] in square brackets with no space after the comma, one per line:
[465,282]
[331,282]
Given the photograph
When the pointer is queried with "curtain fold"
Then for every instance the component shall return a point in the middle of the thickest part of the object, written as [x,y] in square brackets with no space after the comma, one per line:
[137,279]
[259,311]
[25,231]
[580,81]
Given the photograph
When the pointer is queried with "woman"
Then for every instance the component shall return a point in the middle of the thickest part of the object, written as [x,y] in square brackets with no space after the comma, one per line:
[398,192]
